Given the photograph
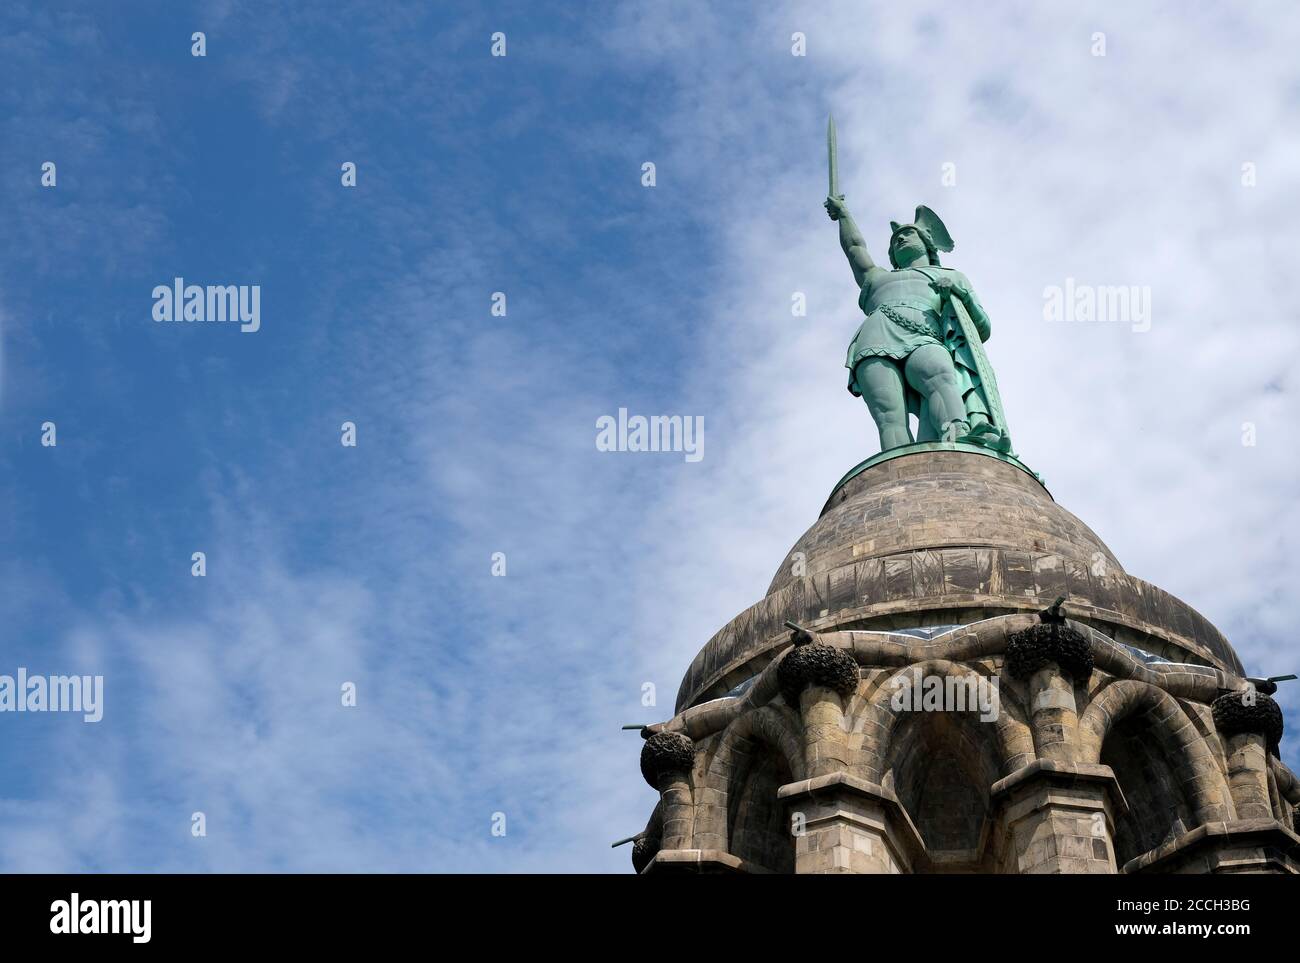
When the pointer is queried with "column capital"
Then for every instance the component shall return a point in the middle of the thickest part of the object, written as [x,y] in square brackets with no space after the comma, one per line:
[816,664]
[665,754]
[1030,649]
[1261,715]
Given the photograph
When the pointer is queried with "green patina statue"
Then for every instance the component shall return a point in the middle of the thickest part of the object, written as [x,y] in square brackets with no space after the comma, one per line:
[919,351]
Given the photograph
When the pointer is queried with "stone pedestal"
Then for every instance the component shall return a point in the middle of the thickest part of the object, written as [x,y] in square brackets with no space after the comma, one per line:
[850,826]
[1058,818]
[698,862]
[1242,846]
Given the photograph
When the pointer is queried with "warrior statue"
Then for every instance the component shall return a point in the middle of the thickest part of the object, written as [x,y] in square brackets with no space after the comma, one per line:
[919,350]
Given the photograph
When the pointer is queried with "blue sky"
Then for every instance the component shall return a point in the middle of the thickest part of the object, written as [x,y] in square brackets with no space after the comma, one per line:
[476,433]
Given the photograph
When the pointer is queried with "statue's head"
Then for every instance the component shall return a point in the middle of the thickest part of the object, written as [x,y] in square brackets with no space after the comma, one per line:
[924,239]
[908,245]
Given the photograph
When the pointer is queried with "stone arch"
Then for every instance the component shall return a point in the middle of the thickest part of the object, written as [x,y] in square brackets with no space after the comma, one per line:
[941,764]
[1164,765]
[647,844]
[1283,782]
[757,754]
[1281,808]
[941,772]
[870,679]
[875,721]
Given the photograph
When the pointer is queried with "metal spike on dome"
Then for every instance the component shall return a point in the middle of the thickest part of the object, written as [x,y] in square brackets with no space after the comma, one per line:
[1053,614]
[1269,686]
[798,634]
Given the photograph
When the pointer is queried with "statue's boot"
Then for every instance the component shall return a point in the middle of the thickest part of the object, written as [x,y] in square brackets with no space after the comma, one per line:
[988,436]
[955,430]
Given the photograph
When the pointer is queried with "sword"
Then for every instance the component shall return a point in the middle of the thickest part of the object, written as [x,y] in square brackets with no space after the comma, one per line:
[832,156]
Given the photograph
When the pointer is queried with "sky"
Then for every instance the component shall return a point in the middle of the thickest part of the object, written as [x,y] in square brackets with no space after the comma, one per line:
[1160,156]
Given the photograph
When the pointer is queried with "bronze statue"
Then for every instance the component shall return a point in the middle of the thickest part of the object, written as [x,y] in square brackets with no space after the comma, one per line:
[919,349]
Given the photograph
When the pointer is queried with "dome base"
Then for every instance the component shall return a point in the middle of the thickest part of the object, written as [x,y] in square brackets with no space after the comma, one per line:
[919,447]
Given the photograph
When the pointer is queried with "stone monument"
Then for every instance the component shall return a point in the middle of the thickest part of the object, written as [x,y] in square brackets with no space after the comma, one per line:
[950,673]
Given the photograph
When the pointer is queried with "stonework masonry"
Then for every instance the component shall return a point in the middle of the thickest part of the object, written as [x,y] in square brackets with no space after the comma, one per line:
[1124,736]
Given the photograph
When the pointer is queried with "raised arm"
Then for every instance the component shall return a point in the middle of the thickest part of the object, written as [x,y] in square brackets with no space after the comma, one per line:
[855,248]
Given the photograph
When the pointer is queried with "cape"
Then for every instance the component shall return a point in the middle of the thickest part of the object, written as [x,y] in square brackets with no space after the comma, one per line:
[955,312]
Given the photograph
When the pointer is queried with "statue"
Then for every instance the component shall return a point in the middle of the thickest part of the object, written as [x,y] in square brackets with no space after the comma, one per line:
[919,350]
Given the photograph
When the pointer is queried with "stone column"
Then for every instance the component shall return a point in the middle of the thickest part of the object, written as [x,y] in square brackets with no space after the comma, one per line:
[666,762]
[1051,657]
[1058,813]
[1053,713]
[667,759]
[1250,725]
[841,824]
[815,678]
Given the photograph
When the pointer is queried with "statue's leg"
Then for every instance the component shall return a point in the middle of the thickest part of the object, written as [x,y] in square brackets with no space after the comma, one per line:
[930,371]
[925,430]
[880,382]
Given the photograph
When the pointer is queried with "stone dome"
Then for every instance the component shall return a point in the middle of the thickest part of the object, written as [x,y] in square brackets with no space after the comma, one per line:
[940,499]
[945,534]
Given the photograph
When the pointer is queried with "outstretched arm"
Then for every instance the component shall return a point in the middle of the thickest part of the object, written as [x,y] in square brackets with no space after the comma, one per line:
[855,248]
